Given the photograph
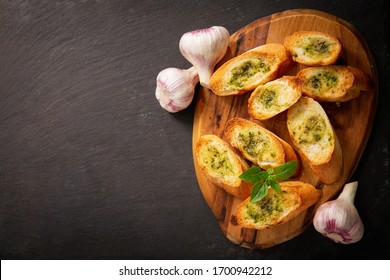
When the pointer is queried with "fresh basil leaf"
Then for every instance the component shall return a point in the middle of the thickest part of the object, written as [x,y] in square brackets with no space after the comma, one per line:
[271,177]
[259,191]
[285,170]
[274,185]
[262,179]
[253,175]
[255,189]
[270,171]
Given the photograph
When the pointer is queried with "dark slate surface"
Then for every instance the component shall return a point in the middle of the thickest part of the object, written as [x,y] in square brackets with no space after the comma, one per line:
[91,167]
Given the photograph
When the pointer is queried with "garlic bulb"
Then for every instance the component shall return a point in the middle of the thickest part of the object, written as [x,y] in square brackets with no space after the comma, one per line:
[338,219]
[175,88]
[204,48]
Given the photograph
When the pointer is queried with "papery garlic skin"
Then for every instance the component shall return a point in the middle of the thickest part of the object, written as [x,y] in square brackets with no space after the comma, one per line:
[176,88]
[338,219]
[204,48]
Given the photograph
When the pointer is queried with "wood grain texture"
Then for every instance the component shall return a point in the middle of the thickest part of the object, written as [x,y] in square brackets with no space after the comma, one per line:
[352,120]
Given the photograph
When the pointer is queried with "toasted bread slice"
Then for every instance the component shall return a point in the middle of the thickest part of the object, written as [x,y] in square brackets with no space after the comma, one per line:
[274,97]
[250,69]
[313,48]
[334,83]
[221,165]
[257,144]
[276,208]
[315,139]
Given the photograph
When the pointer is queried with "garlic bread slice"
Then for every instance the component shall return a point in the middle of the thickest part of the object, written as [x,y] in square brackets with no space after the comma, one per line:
[222,165]
[250,69]
[313,48]
[276,208]
[255,143]
[274,97]
[315,139]
[334,83]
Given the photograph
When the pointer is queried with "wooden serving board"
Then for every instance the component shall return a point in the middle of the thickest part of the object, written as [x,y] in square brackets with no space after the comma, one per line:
[352,120]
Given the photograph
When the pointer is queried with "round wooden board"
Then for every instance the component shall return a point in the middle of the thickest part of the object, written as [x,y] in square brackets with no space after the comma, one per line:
[352,120]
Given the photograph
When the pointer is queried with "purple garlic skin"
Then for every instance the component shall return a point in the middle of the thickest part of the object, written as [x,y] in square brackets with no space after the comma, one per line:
[176,88]
[339,219]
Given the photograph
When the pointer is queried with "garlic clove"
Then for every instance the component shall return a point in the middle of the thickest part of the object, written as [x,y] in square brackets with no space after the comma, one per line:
[176,88]
[339,219]
[204,48]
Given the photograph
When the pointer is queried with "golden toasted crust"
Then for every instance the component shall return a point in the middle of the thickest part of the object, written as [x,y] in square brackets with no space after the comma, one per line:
[362,80]
[329,172]
[221,165]
[255,143]
[274,97]
[313,48]
[361,83]
[277,208]
[334,83]
[315,139]
[250,69]
[290,155]
[308,193]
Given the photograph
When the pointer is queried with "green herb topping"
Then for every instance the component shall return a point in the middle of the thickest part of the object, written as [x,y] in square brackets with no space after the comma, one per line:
[249,68]
[262,179]
[322,81]
[250,142]
[218,161]
[268,98]
[316,47]
[313,130]
[268,208]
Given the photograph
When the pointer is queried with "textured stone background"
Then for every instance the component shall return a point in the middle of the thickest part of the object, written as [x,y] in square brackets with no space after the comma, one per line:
[91,167]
